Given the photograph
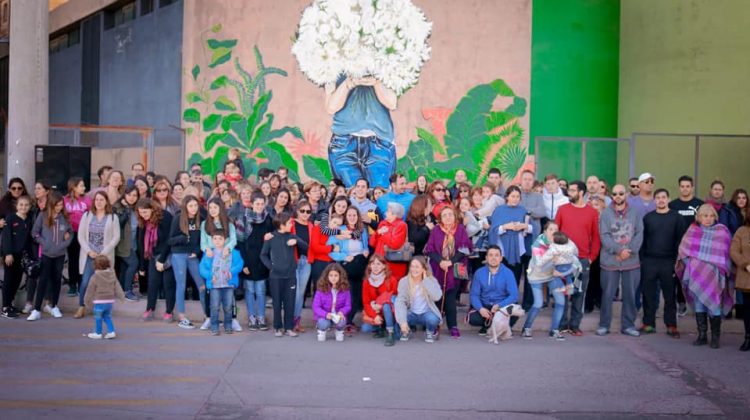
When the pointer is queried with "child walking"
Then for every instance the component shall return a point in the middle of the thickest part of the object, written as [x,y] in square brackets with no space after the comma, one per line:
[279,256]
[101,292]
[220,270]
[332,302]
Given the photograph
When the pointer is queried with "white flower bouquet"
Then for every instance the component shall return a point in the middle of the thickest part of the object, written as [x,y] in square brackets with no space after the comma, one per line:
[386,39]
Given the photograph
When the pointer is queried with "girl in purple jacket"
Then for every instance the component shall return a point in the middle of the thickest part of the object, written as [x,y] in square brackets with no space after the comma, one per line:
[332,302]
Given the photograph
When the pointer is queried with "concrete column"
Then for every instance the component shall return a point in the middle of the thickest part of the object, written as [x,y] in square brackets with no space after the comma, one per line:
[28,90]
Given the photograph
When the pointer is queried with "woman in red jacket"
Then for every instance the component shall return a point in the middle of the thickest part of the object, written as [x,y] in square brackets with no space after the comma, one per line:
[378,294]
[391,233]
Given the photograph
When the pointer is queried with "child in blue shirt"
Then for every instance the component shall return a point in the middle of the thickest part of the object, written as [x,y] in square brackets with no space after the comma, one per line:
[340,246]
[221,275]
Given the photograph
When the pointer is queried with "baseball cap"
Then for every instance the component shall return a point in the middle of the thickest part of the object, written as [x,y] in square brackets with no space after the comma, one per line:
[645,176]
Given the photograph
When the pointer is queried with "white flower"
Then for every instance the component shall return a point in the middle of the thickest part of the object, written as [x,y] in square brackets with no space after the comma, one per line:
[386,39]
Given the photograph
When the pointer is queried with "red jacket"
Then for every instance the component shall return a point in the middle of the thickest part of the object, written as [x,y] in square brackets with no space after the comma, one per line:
[581,224]
[394,238]
[370,294]
[318,250]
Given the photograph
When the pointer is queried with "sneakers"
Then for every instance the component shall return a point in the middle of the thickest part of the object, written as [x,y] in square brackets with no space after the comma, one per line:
[228,331]
[206,324]
[186,324]
[236,327]
[262,324]
[482,331]
[576,332]
[9,313]
[214,332]
[631,332]
[252,323]
[682,309]
[672,332]
[80,312]
[167,318]
[278,333]
[147,316]
[455,333]
[35,315]
[647,329]
[72,291]
[526,334]
[405,336]
[110,335]
[601,331]
[292,333]
[94,336]
[56,312]
[557,335]
[130,296]
[339,335]
[27,309]
[389,341]
[321,336]
[47,309]
[379,333]
[429,337]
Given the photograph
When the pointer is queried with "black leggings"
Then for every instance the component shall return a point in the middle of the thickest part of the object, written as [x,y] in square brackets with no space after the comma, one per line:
[355,270]
[449,300]
[74,277]
[49,281]
[13,276]
[158,280]
[746,314]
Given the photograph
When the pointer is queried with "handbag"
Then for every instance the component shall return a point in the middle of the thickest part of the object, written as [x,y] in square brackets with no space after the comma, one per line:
[460,271]
[403,254]
[31,266]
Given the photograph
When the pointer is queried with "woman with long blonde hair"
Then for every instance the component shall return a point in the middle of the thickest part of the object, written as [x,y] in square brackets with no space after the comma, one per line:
[415,304]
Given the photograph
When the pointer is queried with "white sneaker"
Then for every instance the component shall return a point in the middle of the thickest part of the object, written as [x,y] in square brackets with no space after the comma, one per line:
[110,335]
[339,335]
[94,335]
[321,336]
[35,315]
[206,324]
[236,327]
[56,312]
[47,309]
[27,308]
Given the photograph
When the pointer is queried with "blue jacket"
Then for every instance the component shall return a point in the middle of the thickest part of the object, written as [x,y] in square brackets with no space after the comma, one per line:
[488,290]
[207,264]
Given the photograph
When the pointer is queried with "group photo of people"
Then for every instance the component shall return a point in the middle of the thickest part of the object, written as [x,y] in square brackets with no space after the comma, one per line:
[263,253]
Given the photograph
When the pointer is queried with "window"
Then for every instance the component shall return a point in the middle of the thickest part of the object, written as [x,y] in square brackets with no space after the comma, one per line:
[165,3]
[119,15]
[147,6]
[63,40]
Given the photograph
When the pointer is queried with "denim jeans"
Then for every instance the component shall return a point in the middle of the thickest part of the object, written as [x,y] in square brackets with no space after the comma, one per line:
[303,276]
[255,298]
[224,297]
[538,290]
[388,318]
[573,313]
[181,264]
[700,308]
[324,324]
[128,268]
[103,311]
[354,157]
[88,271]
[428,319]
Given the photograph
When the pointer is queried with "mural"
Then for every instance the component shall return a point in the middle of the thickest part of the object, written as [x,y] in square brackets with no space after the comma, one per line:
[457,103]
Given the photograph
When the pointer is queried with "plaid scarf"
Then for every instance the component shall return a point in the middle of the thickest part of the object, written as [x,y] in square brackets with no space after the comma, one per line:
[704,266]
[449,242]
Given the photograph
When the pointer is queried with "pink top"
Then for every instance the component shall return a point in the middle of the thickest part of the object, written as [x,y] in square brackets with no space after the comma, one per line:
[75,209]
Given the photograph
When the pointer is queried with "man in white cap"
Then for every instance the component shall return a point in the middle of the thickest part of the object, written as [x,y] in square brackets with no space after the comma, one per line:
[644,201]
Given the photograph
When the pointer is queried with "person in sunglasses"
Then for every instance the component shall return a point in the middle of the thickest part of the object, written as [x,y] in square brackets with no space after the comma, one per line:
[635,189]
[16,189]
[644,202]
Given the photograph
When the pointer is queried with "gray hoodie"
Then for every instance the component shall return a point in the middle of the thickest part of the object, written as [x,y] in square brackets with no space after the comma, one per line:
[52,238]
[620,230]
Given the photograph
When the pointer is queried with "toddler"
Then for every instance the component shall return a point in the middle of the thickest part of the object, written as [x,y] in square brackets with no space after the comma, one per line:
[340,246]
[221,272]
[565,262]
[101,293]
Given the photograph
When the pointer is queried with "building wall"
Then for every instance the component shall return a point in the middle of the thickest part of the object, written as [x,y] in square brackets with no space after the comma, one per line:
[65,86]
[684,69]
[574,84]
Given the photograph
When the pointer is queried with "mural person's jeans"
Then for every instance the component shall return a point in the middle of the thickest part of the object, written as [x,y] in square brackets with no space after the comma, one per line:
[354,157]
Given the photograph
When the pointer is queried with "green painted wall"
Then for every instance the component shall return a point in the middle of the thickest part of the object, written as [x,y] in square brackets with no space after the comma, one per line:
[684,67]
[574,83]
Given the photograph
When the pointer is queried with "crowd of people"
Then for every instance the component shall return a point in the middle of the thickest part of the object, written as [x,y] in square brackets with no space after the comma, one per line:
[384,262]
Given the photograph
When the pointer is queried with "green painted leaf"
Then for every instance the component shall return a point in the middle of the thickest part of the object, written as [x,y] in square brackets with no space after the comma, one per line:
[225,104]
[196,71]
[431,140]
[220,82]
[518,107]
[240,130]
[229,120]
[259,111]
[216,44]
[275,151]
[220,55]
[419,156]
[191,115]
[212,139]
[216,161]
[189,131]
[211,122]
[317,168]
[502,88]
[193,97]
[194,158]
[511,161]
[498,119]
[216,28]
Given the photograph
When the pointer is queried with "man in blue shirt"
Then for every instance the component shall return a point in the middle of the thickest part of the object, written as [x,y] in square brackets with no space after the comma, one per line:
[362,142]
[493,287]
[397,194]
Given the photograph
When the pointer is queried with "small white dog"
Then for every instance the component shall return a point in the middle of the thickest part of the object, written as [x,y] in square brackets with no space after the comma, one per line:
[500,327]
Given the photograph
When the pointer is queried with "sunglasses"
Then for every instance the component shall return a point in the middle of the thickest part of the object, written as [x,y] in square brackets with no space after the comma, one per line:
[440,189]
[633,186]
[305,211]
[619,193]
[161,190]
[648,181]
[16,188]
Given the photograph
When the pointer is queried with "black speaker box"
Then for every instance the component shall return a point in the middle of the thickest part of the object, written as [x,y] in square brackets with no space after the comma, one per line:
[55,165]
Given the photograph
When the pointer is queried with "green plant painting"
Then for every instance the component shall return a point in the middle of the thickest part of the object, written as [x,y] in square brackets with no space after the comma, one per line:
[478,138]
[231,110]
